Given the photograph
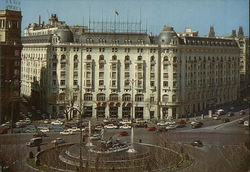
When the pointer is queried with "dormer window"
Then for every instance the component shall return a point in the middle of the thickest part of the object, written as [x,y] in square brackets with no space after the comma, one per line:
[139,58]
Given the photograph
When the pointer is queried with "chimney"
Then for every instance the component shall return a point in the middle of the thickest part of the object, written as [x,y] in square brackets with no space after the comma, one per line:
[39,20]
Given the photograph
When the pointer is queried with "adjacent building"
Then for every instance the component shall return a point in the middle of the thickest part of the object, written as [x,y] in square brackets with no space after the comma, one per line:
[117,74]
[10,54]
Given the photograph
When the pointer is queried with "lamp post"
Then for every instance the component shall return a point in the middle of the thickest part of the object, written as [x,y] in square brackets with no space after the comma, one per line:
[131,149]
[80,113]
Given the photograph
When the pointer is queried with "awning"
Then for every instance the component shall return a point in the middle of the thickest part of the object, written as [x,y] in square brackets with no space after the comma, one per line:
[118,104]
[129,105]
[111,104]
[98,104]
[104,104]
[124,104]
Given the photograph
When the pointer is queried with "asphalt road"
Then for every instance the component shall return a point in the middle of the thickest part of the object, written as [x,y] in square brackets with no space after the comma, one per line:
[223,148]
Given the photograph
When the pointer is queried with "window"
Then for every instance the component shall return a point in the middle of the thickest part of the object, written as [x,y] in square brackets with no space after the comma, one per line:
[88,57]
[63,58]
[62,82]
[152,99]
[127,66]
[113,97]
[101,82]
[100,97]
[88,74]
[114,57]
[139,97]
[126,97]
[54,73]
[140,76]
[75,82]
[113,75]
[75,65]
[101,75]
[88,97]
[127,74]
[127,58]
[165,75]
[54,82]
[63,65]
[63,74]
[113,66]
[165,58]
[75,58]
[152,75]
[75,74]
[113,83]
[165,98]
[139,58]
[101,66]
[101,57]
[126,83]
[139,66]
[174,98]
[152,83]
[165,83]
[88,66]
[152,58]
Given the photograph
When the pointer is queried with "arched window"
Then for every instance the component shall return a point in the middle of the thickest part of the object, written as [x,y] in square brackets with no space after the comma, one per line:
[113,97]
[114,57]
[139,58]
[139,97]
[126,97]
[100,97]
[63,57]
[175,59]
[165,58]
[165,98]
[88,97]
[152,58]
[101,57]
[127,58]
[75,58]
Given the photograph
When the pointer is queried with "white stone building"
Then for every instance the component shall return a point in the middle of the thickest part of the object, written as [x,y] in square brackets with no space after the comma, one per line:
[114,75]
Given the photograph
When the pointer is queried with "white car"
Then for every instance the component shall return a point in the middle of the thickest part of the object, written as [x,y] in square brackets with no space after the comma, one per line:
[58,141]
[110,126]
[216,118]
[95,137]
[125,122]
[57,123]
[162,123]
[66,132]
[125,126]
[171,127]
[44,130]
[75,129]
[246,123]
[169,122]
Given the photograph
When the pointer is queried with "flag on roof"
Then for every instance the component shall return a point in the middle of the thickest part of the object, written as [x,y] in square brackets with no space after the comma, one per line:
[116,12]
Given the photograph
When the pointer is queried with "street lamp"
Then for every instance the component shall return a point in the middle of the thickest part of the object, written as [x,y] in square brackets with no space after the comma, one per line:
[131,149]
[81,113]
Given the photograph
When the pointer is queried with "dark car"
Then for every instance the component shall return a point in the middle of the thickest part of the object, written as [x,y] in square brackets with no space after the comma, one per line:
[141,125]
[122,133]
[160,130]
[40,134]
[197,125]
[197,143]
[226,120]
[181,122]
[151,128]
[230,114]
[242,112]
[4,130]
[241,121]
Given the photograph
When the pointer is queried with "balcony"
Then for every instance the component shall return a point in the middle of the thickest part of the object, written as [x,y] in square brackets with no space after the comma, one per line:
[127,61]
[166,62]
[102,61]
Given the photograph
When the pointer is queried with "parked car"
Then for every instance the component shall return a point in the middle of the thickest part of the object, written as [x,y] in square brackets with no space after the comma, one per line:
[246,123]
[171,127]
[151,128]
[161,123]
[58,141]
[46,121]
[66,132]
[75,129]
[40,134]
[196,125]
[242,112]
[216,118]
[44,130]
[125,122]
[95,137]
[35,142]
[160,130]
[225,120]
[111,126]
[122,133]
[4,130]
[229,114]
[197,143]
[141,125]
[125,126]
[241,121]
[181,122]
[57,122]
[98,128]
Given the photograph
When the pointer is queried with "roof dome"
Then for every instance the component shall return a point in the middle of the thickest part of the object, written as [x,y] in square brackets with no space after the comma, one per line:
[65,35]
[166,35]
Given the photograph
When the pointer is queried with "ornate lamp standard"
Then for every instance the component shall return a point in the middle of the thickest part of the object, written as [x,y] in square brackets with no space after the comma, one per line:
[131,149]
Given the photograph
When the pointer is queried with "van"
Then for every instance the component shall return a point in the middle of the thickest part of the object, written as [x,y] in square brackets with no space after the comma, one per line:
[34,142]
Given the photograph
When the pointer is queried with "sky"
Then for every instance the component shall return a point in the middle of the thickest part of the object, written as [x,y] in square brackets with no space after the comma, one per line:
[224,15]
